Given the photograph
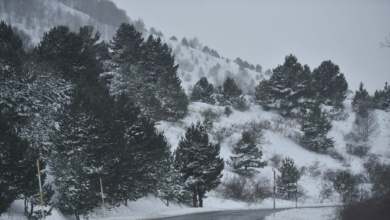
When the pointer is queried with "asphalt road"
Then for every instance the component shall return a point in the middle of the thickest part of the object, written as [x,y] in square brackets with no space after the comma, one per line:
[258,214]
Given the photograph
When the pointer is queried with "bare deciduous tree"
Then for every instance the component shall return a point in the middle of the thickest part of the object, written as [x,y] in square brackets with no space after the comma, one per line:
[366,127]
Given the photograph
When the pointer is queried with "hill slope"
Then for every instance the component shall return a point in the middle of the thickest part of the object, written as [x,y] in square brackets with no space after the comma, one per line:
[278,132]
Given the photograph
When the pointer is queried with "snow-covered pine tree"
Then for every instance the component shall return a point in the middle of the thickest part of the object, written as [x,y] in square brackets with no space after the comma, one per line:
[330,85]
[263,94]
[362,101]
[288,86]
[230,91]
[345,185]
[246,154]
[72,161]
[287,181]
[174,101]
[146,72]
[381,99]
[14,100]
[17,165]
[199,163]
[315,126]
[203,91]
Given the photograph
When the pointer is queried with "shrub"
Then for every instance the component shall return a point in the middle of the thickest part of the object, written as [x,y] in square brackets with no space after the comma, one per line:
[211,114]
[240,103]
[314,169]
[275,160]
[228,111]
[359,150]
[222,133]
[363,209]
[241,188]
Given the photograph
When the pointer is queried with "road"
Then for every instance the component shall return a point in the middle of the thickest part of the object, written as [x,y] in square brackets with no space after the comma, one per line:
[258,214]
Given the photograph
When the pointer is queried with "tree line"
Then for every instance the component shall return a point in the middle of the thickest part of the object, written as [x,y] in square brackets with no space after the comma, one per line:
[87,109]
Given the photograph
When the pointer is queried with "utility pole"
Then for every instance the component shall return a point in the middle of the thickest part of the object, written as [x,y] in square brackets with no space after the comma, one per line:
[274,188]
[296,197]
[40,190]
[101,189]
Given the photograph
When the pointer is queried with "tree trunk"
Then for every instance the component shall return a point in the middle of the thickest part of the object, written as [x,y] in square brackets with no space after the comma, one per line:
[200,200]
[25,206]
[31,210]
[77,215]
[126,202]
[195,199]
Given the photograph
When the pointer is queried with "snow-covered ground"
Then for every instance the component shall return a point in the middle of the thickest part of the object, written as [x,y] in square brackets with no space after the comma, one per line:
[194,64]
[151,208]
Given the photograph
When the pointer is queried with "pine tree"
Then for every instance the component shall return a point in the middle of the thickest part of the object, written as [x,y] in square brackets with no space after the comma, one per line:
[246,154]
[362,101]
[381,99]
[263,94]
[315,126]
[330,85]
[198,162]
[14,101]
[126,45]
[17,160]
[345,184]
[288,87]
[287,181]
[203,91]
[230,89]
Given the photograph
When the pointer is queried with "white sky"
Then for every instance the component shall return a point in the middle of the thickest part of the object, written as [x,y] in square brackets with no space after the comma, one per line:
[348,32]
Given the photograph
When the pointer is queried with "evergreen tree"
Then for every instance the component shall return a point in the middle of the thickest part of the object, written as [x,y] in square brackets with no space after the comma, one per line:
[315,126]
[362,101]
[345,184]
[148,75]
[330,85]
[17,165]
[14,101]
[288,87]
[198,162]
[230,89]
[381,99]
[246,154]
[287,181]
[126,45]
[72,165]
[263,94]
[203,91]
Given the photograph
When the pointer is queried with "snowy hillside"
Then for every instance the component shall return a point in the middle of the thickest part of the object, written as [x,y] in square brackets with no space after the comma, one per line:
[33,18]
[277,134]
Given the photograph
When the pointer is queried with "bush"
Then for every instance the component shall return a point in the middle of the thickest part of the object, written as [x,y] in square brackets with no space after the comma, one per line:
[275,160]
[222,133]
[255,128]
[211,114]
[333,153]
[363,209]
[359,150]
[240,103]
[314,169]
[241,188]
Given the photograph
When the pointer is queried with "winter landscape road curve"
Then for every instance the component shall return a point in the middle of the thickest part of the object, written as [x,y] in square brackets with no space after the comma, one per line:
[256,214]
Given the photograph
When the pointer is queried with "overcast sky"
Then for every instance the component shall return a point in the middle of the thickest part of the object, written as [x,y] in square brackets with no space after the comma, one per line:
[348,32]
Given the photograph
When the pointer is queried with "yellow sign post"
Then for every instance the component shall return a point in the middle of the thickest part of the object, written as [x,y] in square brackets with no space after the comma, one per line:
[101,189]
[40,189]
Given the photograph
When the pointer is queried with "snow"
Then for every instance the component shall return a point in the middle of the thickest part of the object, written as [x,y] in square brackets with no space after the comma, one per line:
[141,209]
[276,141]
